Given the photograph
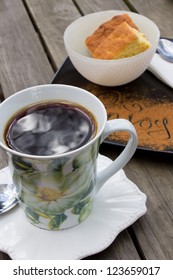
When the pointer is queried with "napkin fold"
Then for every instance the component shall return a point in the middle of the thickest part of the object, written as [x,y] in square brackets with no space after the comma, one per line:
[162,69]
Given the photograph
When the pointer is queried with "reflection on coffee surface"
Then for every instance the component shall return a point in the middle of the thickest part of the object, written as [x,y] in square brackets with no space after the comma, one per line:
[50,128]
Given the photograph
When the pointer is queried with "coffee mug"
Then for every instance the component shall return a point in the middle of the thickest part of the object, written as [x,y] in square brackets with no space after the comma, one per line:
[57,191]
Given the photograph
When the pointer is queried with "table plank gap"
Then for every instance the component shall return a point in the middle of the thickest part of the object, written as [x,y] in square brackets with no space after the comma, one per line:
[160,11]
[47,52]
[4,256]
[52,17]
[78,7]
[121,249]
[156,184]
[90,6]
[130,6]
[23,60]
[136,243]
[1,94]
[151,172]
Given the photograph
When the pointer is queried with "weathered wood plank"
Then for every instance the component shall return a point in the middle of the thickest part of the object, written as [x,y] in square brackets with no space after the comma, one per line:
[23,61]
[50,19]
[160,11]
[120,249]
[89,6]
[153,174]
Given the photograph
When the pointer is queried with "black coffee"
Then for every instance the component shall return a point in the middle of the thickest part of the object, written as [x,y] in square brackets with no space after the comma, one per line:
[49,129]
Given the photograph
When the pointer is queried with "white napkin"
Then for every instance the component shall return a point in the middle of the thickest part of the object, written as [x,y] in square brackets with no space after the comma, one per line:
[162,69]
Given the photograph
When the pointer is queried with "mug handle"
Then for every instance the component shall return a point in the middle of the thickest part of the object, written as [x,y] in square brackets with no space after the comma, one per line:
[126,154]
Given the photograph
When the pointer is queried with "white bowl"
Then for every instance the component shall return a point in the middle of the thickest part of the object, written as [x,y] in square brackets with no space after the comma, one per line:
[108,72]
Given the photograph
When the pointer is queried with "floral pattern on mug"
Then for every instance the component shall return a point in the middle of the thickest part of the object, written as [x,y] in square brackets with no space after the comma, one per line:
[51,190]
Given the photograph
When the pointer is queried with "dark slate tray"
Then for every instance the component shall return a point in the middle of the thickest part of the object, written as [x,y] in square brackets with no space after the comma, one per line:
[146,102]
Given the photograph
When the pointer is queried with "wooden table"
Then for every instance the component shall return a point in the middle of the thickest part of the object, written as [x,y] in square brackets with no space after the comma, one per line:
[31,51]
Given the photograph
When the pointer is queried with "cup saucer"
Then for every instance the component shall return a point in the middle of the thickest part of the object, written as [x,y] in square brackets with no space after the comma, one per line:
[117,205]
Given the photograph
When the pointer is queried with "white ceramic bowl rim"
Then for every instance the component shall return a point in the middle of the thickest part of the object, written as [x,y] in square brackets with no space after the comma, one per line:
[106,61]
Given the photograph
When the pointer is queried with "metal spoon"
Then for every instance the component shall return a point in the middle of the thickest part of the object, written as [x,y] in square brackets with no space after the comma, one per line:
[165,49]
[8,197]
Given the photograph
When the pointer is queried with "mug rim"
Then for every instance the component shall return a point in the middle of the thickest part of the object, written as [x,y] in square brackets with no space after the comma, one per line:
[70,153]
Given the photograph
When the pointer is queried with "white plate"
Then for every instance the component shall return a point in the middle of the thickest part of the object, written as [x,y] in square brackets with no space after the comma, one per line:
[118,204]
